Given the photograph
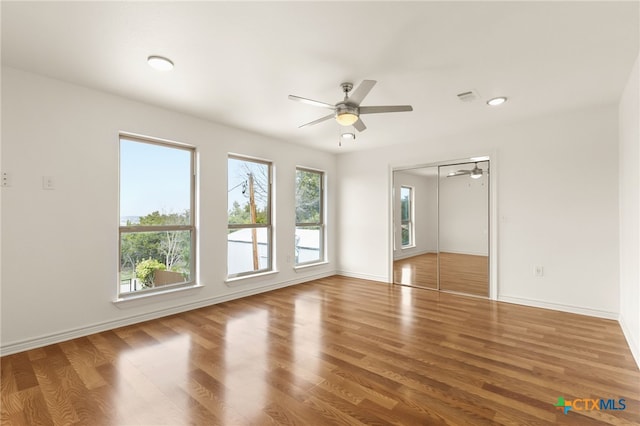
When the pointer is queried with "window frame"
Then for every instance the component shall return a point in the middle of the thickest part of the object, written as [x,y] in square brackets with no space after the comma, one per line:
[268,226]
[410,221]
[191,227]
[321,219]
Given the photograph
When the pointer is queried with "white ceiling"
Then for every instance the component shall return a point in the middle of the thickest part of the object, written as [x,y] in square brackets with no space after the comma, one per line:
[236,62]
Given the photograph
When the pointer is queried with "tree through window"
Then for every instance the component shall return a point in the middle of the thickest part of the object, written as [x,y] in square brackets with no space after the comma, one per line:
[157,232]
[309,244]
[249,228]
[406,215]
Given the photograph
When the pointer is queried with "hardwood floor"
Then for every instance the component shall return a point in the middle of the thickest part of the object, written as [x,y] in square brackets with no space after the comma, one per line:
[461,273]
[420,270]
[464,273]
[332,351]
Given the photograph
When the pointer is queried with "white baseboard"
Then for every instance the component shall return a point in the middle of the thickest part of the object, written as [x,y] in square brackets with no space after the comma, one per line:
[560,307]
[381,278]
[634,345]
[408,254]
[471,253]
[49,339]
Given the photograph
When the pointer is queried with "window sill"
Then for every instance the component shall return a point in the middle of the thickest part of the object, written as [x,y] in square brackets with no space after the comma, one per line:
[133,297]
[309,265]
[237,280]
[408,247]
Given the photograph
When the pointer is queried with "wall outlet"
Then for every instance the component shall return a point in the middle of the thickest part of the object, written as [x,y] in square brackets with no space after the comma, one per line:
[47,182]
[538,271]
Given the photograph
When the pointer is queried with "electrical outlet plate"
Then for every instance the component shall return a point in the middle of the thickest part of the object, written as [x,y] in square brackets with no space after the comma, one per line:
[538,271]
[47,182]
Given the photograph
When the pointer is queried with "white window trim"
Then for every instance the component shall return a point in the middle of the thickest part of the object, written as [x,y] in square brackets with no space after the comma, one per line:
[261,274]
[269,226]
[170,288]
[310,265]
[411,221]
[321,224]
[131,298]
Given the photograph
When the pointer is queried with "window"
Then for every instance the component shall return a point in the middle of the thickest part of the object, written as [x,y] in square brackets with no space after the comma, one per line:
[309,244]
[406,211]
[249,229]
[157,232]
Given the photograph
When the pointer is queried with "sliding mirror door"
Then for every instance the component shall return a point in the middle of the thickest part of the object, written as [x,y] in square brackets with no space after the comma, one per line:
[441,227]
[416,227]
[463,205]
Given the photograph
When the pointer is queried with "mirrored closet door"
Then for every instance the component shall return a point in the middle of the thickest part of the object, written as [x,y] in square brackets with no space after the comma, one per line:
[415,251]
[441,227]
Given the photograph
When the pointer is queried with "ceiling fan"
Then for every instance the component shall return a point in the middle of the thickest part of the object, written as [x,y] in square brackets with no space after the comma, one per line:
[475,173]
[347,112]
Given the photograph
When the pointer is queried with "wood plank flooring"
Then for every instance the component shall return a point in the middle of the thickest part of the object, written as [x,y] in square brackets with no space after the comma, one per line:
[461,273]
[464,273]
[420,270]
[332,351]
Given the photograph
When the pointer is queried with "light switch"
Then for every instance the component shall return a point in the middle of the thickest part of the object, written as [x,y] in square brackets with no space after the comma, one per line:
[538,271]
[47,182]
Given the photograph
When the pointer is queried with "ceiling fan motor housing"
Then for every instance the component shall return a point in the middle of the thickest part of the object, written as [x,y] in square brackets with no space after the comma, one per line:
[345,108]
[346,114]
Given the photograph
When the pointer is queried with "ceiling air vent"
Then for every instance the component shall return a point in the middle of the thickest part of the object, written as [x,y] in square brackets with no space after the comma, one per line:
[469,96]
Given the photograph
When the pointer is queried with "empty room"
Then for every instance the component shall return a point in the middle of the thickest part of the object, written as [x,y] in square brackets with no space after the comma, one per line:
[316,213]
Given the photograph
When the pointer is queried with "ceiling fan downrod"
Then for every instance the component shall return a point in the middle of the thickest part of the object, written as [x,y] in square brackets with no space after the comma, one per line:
[346,88]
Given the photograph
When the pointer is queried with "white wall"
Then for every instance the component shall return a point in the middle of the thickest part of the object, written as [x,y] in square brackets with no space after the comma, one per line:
[557,186]
[629,111]
[425,219]
[60,247]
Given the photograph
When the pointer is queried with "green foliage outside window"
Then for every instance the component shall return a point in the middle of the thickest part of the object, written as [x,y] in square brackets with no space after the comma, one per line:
[170,248]
[242,214]
[406,236]
[406,215]
[146,269]
[308,190]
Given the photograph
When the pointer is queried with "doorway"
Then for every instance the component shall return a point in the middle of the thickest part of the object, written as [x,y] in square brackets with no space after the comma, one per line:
[441,219]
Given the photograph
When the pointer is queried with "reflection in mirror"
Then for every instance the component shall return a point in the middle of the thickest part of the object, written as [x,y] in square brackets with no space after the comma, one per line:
[415,227]
[463,204]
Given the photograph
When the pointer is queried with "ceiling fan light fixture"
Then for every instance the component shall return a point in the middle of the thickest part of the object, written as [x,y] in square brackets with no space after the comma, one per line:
[348,135]
[160,63]
[497,101]
[476,173]
[346,118]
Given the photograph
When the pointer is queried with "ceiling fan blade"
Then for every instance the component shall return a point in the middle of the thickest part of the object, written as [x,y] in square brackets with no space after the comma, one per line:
[311,102]
[361,91]
[389,108]
[319,120]
[359,125]
[459,173]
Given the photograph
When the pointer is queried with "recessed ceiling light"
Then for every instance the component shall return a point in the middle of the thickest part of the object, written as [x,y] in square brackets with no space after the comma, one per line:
[497,101]
[160,63]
